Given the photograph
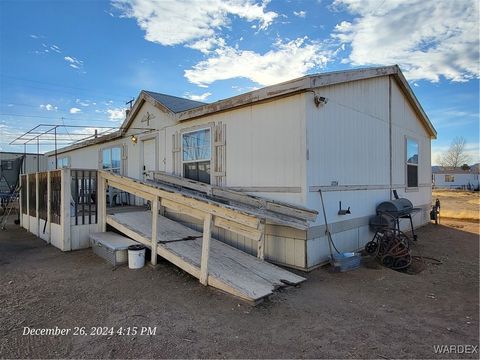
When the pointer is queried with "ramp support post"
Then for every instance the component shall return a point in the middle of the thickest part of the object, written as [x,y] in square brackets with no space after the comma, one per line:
[207,230]
[155,206]
[261,241]
[102,203]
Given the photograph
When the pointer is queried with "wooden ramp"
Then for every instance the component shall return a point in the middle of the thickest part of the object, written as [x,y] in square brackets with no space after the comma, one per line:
[229,269]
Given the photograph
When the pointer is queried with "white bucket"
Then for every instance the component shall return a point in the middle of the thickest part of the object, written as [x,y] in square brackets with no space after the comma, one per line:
[136,256]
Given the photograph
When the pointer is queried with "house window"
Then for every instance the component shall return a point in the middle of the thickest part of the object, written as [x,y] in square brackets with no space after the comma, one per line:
[412,163]
[196,155]
[449,178]
[63,162]
[112,159]
[7,164]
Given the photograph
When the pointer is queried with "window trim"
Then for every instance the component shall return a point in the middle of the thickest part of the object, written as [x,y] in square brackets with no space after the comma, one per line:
[64,157]
[100,165]
[193,129]
[451,178]
[407,164]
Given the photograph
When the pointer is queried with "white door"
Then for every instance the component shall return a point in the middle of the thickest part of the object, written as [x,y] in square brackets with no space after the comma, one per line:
[149,158]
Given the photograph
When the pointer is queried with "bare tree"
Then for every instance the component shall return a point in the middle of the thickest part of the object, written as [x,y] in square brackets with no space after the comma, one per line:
[455,156]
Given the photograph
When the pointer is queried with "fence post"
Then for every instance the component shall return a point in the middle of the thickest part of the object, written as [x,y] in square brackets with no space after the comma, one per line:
[49,208]
[155,206]
[65,209]
[37,197]
[207,233]
[20,199]
[28,202]
[102,202]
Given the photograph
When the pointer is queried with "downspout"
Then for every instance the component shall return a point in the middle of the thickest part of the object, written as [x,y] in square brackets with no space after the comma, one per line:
[390,132]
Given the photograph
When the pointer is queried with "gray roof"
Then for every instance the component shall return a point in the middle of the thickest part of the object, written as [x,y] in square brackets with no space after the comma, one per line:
[174,103]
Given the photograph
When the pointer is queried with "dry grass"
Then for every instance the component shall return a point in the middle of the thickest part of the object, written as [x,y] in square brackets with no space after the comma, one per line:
[457,204]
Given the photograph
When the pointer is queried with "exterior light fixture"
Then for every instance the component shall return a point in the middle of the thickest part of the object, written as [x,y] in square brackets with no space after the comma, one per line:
[320,100]
[134,139]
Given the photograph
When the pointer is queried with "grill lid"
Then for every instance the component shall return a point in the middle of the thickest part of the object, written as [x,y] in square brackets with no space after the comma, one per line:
[395,207]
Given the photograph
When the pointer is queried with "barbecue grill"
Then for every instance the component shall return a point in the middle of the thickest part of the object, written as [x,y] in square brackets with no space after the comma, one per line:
[390,246]
[399,208]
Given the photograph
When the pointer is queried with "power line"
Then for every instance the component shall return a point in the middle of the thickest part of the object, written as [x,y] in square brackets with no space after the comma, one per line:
[54,118]
[109,96]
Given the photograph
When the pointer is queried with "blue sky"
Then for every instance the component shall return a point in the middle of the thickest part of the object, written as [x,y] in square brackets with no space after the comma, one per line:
[78,62]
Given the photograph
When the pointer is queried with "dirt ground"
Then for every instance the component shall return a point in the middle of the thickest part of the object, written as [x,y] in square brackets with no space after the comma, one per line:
[457,204]
[366,313]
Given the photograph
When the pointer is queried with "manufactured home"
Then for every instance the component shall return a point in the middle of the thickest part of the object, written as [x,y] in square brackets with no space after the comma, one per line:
[456,179]
[356,135]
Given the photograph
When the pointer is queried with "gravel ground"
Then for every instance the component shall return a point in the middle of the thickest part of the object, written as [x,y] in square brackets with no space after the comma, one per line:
[366,313]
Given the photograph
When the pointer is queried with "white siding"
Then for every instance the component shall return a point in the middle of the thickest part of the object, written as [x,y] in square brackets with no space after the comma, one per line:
[349,144]
[348,136]
[405,124]
[265,146]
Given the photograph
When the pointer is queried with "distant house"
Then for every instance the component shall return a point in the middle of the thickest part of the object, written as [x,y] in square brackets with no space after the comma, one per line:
[12,164]
[455,178]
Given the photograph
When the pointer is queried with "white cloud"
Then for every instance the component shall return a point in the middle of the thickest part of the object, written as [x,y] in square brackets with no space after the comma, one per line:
[116,114]
[73,62]
[428,39]
[172,22]
[74,110]
[82,102]
[286,61]
[206,45]
[48,107]
[201,97]
[301,13]
[55,48]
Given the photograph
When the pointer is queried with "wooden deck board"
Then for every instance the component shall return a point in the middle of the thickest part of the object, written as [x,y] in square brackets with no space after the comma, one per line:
[230,269]
[168,230]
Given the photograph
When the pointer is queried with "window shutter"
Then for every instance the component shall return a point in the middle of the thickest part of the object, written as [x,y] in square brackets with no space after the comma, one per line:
[100,159]
[219,152]
[176,153]
[124,164]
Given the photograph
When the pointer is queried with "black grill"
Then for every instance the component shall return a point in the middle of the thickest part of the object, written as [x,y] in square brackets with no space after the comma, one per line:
[395,208]
[390,212]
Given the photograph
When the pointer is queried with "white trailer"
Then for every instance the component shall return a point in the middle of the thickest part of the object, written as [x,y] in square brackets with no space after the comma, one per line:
[356,135]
